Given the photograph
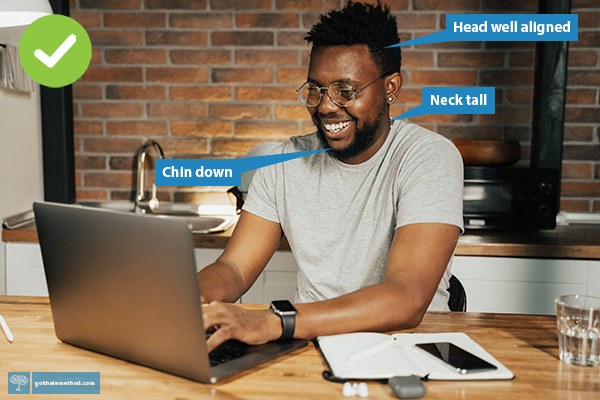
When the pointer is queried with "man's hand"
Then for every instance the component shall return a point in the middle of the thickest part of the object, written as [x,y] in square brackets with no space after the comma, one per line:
[233,322]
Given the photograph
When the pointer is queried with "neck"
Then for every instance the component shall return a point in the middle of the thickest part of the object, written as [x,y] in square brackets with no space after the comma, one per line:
[381,135]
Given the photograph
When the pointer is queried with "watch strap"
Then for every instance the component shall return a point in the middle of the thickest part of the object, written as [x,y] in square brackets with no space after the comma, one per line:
[288,325]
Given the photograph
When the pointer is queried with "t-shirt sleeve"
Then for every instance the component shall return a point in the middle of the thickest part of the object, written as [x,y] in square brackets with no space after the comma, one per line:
[430,185]
[261,198]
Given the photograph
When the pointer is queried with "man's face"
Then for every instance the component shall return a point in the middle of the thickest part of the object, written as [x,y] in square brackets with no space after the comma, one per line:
[354,133]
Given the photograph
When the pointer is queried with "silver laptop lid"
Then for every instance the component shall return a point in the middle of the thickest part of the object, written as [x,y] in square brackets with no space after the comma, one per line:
[124,285]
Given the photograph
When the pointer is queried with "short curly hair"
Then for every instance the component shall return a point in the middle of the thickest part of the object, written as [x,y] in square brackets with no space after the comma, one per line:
[361,24]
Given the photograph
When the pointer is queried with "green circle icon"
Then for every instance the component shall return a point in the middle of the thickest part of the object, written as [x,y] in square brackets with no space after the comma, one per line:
[55,50]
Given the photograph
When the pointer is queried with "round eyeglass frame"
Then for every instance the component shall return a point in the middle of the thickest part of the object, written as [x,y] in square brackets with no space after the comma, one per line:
[321,89]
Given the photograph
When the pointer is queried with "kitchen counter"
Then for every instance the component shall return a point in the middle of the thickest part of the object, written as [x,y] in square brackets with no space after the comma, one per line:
[577,241]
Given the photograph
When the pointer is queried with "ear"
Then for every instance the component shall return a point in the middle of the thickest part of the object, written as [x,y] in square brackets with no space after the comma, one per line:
[393,85]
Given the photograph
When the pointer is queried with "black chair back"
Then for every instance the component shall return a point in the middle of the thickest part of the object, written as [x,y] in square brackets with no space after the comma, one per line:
[458,295]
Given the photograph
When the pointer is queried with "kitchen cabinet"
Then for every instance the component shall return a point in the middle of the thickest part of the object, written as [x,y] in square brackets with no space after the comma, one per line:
[25,273]
[523,285]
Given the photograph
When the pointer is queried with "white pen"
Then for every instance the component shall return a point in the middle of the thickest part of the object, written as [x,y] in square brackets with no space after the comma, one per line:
[371,351]
[6,329]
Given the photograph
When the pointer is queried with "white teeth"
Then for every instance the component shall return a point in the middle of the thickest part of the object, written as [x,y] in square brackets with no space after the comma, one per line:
[336,127]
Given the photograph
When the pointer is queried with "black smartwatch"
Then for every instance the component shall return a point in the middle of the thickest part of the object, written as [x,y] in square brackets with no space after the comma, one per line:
[287,312]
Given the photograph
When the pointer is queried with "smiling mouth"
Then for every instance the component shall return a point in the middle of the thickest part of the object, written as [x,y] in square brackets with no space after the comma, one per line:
[335,128]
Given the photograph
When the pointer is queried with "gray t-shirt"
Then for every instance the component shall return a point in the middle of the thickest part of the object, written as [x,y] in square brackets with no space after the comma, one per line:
[340,219]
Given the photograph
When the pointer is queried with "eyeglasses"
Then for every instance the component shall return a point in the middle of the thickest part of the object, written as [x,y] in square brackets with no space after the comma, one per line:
[340,93]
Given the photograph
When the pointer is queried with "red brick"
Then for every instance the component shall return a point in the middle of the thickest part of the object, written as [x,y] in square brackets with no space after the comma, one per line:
[291,75]
[291,39]
[410,96]
[266,57]
[306,58]
[130,56]
[576,171]
[175,38]
[88,127]
[201,128]
[310,18]
[176,110]
[412,21]
[586,39]
[124,163]
[115,38]
[307,4]
[578,133]
[112,74]
[135,92]
[175,4]
[247,38]
[204,57]
[90,162]
[185,146]
[509,45]
[575,205]
[575,4]
[86,92]
[297,112]
[581,96]
[470,132]
[135,20]
[444,78]
[96,56]
[136,128]
[307,128]
[240,4]
[507,115]
[236,147]
[521,133]
[582,58]
[200,93]
[267,20]
[519,96]
[506,77]
[201,20]
[113,110]
[510,6]
[240,111]
[112,145]
[581,152]
[266,93]
[580,189]
[471,59]
[596,208]
[455,5]
[99,195]
[87,19]
[521,59]
[111,4]
[108,180]
[440,118]
[588,19]
[417,59]
[127,195]
[242,75]
[582,114]
[183,75]
[265,129]
[583,78]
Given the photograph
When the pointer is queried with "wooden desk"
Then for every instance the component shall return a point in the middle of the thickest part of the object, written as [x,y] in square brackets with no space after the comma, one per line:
[527,345]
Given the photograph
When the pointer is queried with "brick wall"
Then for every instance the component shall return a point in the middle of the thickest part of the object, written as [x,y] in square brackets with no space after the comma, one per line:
[213,78]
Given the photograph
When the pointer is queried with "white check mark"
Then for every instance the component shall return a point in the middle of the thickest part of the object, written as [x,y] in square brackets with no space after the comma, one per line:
[58,54]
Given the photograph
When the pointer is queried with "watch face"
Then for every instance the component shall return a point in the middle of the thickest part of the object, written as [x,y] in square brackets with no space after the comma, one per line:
[283,306]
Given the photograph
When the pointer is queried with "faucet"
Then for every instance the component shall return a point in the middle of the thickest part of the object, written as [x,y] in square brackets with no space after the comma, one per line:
[140,194]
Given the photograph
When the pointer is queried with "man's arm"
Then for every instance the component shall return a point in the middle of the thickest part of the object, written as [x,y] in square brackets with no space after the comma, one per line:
[248,251]
[418,258]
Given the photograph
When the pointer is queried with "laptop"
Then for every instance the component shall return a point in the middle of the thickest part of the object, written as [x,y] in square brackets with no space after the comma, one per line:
[125,285]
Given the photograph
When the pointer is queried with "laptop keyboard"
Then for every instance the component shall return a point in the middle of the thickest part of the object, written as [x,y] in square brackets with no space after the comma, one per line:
[227,351]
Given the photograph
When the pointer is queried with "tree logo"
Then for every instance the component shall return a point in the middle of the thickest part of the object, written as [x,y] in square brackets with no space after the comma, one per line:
[20,382]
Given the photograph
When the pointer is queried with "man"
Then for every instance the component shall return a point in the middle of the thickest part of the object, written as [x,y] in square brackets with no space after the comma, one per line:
[372,223]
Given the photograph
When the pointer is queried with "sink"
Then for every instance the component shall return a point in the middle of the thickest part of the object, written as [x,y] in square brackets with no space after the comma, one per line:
[201,218]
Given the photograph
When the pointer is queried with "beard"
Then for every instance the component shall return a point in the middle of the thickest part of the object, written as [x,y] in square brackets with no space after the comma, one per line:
[363,139]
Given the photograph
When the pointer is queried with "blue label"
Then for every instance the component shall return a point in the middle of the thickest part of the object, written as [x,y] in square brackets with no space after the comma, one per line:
[503,27]
[65,382]
[223,172]
[18,382]
[454,100]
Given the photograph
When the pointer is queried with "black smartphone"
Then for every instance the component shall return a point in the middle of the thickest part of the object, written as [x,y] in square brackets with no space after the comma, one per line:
[458,359]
